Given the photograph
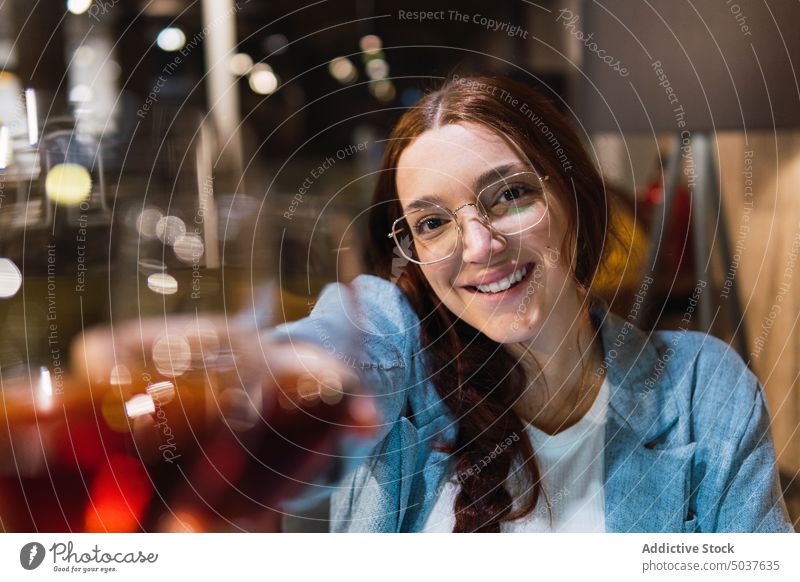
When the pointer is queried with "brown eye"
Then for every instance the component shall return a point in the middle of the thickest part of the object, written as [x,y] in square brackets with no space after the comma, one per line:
[429,225]
[511,194]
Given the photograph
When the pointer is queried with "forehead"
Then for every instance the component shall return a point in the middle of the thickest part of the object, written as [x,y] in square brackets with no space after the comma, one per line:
[448,159]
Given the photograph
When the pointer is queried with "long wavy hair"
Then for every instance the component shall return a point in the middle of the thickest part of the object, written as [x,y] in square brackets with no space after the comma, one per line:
[477,378]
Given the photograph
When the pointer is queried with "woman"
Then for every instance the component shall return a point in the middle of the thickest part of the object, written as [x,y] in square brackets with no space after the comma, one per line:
[512,401]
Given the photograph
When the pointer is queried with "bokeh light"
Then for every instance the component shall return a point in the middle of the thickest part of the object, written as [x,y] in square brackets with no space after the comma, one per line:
[240,64]
[172,355]
[377,69]
[68,184]
[169,229]
[120,376]
[370,43]
[139,405]
[262,79]
[161,393]
[171,39]
[189,248]
[5,147]
[383,90]
[180,521]
[78,6]
[120,492]
[162,283]
[146,222]
[343,70]
[81,94]
[10,278]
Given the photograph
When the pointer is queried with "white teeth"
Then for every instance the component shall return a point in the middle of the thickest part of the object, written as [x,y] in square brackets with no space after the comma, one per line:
[504,284]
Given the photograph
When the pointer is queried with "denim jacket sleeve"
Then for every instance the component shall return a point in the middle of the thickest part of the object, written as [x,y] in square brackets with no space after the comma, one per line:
[369,326]
[742,492]
[751,500]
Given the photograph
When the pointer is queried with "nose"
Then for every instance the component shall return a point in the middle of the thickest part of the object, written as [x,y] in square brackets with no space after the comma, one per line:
[480,242]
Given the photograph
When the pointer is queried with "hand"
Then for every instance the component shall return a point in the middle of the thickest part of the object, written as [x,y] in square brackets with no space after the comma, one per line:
[169,347]
[227,423]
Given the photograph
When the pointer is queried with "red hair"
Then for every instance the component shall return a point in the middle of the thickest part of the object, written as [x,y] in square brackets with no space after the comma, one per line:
[476,377]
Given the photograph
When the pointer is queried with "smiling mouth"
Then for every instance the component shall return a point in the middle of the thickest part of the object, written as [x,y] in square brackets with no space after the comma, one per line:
[503,285]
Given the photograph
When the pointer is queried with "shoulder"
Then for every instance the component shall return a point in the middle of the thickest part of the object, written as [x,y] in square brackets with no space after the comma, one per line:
[382,301]
[691,378]
[385,316]
[734,476]
[372,312]
[367,301]
[711,381]
[368,310]
[703,360]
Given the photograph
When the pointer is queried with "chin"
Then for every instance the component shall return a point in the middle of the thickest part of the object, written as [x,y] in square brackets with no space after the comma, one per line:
[511,328]
[514,335]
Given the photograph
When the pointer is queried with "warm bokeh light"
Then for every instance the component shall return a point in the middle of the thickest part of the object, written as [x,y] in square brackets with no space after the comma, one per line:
[240,64]
[342,70]
[172,355]
[120,492]
[161,392]
[44,392]
[307,387]
[331,389]
[68,184]
[370,43]
[181,521]
[383,90]
[120,376]
[162,283]
[189,248]
[112,408]
[139,405]
[262,79]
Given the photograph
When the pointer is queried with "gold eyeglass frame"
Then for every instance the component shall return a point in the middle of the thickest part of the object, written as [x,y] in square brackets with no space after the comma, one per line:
[481,211]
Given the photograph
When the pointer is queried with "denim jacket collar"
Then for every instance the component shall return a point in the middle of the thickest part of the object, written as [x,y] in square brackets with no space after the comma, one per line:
[640,394]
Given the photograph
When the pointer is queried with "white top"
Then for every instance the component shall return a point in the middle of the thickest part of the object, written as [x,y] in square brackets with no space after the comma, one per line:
[572,469]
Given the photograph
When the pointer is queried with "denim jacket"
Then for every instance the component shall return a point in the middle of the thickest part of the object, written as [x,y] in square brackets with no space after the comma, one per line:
[688,445]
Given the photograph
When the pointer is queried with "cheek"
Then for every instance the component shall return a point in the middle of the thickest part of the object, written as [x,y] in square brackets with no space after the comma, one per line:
[440,279]
[545,245]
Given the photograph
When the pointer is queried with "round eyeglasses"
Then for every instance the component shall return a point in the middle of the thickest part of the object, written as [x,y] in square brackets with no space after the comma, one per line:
[429,233]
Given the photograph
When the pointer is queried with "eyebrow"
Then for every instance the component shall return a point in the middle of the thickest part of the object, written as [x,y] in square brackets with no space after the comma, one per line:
[481,182]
